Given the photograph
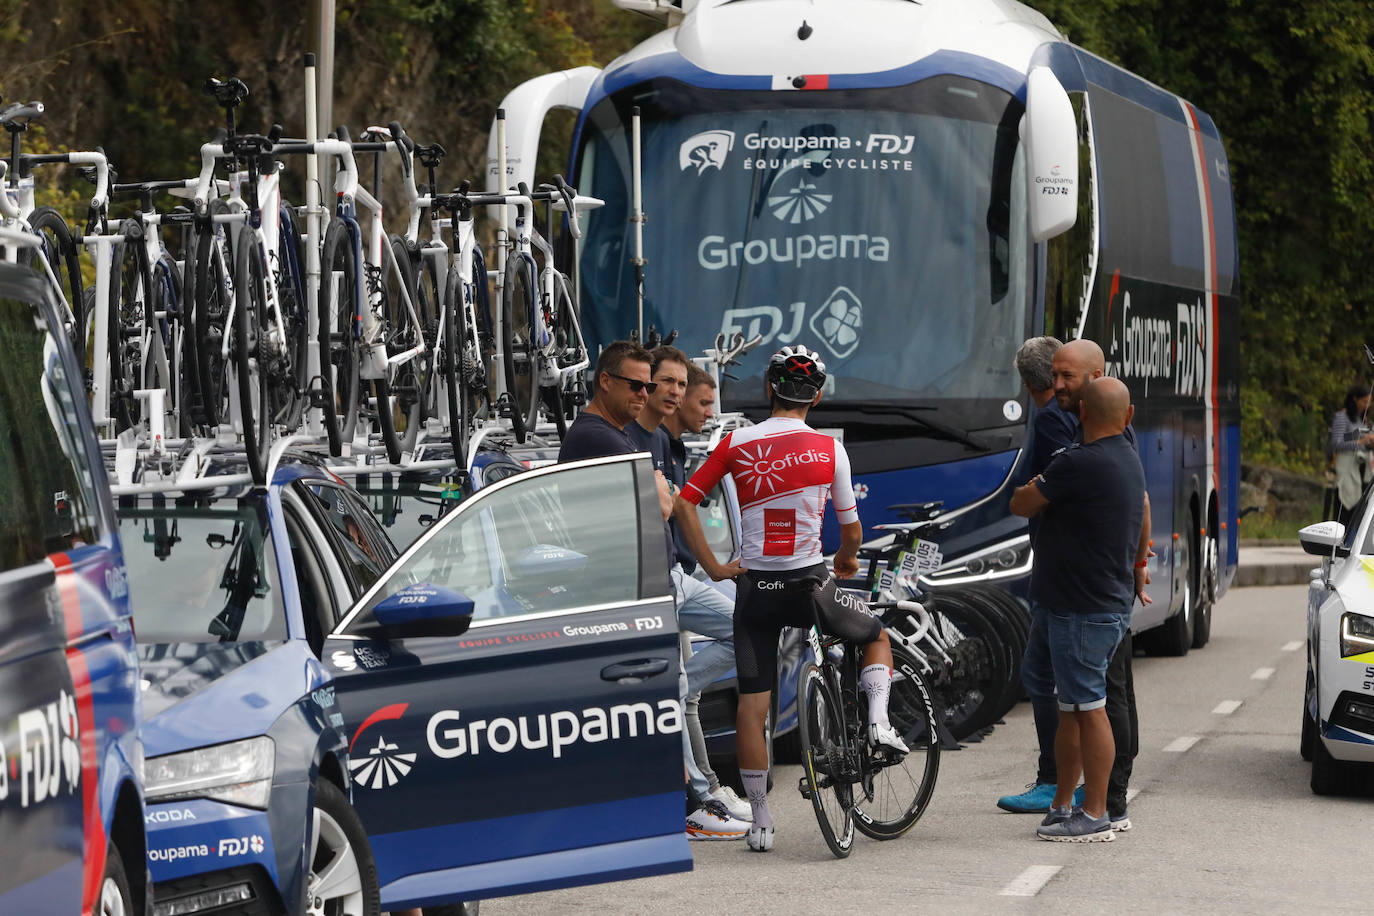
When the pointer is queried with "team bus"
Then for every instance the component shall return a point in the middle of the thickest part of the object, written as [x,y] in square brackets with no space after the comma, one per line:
[913,189]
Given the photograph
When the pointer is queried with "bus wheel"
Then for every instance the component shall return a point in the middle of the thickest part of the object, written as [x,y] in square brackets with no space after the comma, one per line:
[1207,593]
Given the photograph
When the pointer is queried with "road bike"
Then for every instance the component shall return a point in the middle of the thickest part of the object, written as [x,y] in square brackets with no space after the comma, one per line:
[850,783]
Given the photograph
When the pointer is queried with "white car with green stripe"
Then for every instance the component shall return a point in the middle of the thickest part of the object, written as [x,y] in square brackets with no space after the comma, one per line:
[1338,702]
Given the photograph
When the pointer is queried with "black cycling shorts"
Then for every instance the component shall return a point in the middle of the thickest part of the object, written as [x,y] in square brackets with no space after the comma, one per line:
[766,602]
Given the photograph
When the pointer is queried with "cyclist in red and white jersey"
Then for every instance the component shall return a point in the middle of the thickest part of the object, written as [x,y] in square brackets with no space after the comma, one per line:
[784,472]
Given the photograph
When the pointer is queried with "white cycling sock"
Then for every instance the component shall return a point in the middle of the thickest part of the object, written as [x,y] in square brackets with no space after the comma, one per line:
[875,680]
[756,787]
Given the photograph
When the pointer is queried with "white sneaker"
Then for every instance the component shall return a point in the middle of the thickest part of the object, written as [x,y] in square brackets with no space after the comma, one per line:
[886,736]
[738,807]
[713,822]
[760,839]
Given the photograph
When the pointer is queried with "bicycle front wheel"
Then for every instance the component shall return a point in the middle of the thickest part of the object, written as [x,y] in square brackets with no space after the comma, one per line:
[60,250]
[517,344]
[824,759]
[902,790]
[338,313]
[250,353]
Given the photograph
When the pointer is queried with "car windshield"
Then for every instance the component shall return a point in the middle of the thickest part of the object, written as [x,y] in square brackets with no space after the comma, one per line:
[203,567]
[885,228]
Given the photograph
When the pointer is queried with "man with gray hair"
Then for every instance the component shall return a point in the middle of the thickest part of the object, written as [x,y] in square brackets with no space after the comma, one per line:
[1051,430]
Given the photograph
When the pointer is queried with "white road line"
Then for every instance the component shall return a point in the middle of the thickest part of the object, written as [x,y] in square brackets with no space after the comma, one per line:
[1293,646]
[1030,881]
[1262,674]
[1131,793]
[1226,707]
[1179,745]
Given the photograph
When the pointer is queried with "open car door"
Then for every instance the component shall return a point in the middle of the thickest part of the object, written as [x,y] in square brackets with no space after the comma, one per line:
[510,691]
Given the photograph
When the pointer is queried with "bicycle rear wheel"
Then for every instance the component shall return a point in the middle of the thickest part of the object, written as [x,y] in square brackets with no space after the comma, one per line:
[211,298]
[338,347]
[250,354]
[517,344]
[65,260]
[902,790]
[823,757]
[451,365]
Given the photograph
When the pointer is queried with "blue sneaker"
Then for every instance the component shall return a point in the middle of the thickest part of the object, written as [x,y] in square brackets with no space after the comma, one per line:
[1035,800]
[1079,827]
[1057,815]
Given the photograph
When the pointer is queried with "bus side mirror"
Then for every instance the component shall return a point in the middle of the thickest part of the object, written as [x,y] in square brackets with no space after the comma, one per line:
[1050,134]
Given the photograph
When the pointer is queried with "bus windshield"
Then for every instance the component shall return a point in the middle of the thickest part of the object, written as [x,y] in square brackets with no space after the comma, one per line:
[884,228]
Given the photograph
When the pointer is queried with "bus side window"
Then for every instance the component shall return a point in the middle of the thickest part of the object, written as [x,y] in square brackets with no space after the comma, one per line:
[1071,258]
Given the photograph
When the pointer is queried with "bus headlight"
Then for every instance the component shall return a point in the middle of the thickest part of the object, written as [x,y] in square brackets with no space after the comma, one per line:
[1004,560]
[1357,634]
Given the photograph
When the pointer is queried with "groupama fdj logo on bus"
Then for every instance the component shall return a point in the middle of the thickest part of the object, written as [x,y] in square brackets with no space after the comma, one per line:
[706,150]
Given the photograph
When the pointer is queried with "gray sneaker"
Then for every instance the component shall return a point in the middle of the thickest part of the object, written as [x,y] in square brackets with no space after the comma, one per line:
[1120,822]
[1078,827]
[1056,816]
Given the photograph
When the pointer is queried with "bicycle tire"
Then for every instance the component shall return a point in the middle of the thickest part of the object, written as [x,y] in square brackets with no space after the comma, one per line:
[821,724]
[969,688]
[338,347]
[1005,641]
[386,423]
[167,280]
[250,359]
[912,710]
[517,351]
[59,247]
[572,349]
[403,334]
[451,366]
[129,318]
[291,385]
[213,258]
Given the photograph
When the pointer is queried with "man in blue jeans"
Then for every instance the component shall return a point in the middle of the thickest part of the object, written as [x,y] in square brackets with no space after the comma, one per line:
[700,607]
[1091,504]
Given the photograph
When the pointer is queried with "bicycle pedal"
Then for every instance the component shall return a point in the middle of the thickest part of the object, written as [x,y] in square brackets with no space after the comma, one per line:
[804,787]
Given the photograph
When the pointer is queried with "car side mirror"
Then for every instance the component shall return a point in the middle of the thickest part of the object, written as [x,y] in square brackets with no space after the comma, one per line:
[423,609]
[1324,539]
[1049,131]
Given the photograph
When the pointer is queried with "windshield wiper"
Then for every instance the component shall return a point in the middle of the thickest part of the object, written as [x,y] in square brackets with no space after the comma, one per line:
[911,413]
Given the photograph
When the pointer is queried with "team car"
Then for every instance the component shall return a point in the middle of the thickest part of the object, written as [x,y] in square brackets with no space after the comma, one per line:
[71,807]
[247,770]
[496,714]
[1338,701]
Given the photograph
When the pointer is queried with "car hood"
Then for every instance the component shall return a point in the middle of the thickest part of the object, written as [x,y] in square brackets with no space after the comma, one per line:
[195,694]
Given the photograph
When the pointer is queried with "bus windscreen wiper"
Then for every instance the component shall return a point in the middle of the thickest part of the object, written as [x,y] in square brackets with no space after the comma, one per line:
[913,414]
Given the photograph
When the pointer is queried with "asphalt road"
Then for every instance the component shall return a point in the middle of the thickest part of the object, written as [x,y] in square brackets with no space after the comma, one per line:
[1224,819]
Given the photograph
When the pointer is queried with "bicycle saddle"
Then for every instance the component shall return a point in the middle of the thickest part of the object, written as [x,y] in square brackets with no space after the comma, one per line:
[17,115]
[917,512]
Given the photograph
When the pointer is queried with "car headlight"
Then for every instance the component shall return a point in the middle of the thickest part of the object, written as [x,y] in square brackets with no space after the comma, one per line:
[1357,634]
[239,773]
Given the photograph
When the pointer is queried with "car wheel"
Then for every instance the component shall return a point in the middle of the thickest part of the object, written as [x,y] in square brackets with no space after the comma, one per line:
[1309,727]
[115,897]
[469,908]
[1331,776]
[343,878]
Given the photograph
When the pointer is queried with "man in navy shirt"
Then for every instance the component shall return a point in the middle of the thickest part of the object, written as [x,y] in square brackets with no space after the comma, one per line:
[701,608]
[1051,431]
[1093,502]
[624,384]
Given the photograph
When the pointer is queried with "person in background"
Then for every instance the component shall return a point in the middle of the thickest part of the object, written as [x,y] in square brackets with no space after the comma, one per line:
[1092,498]
[700,607]
[1349,445]
[1052,429]
[621,391]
